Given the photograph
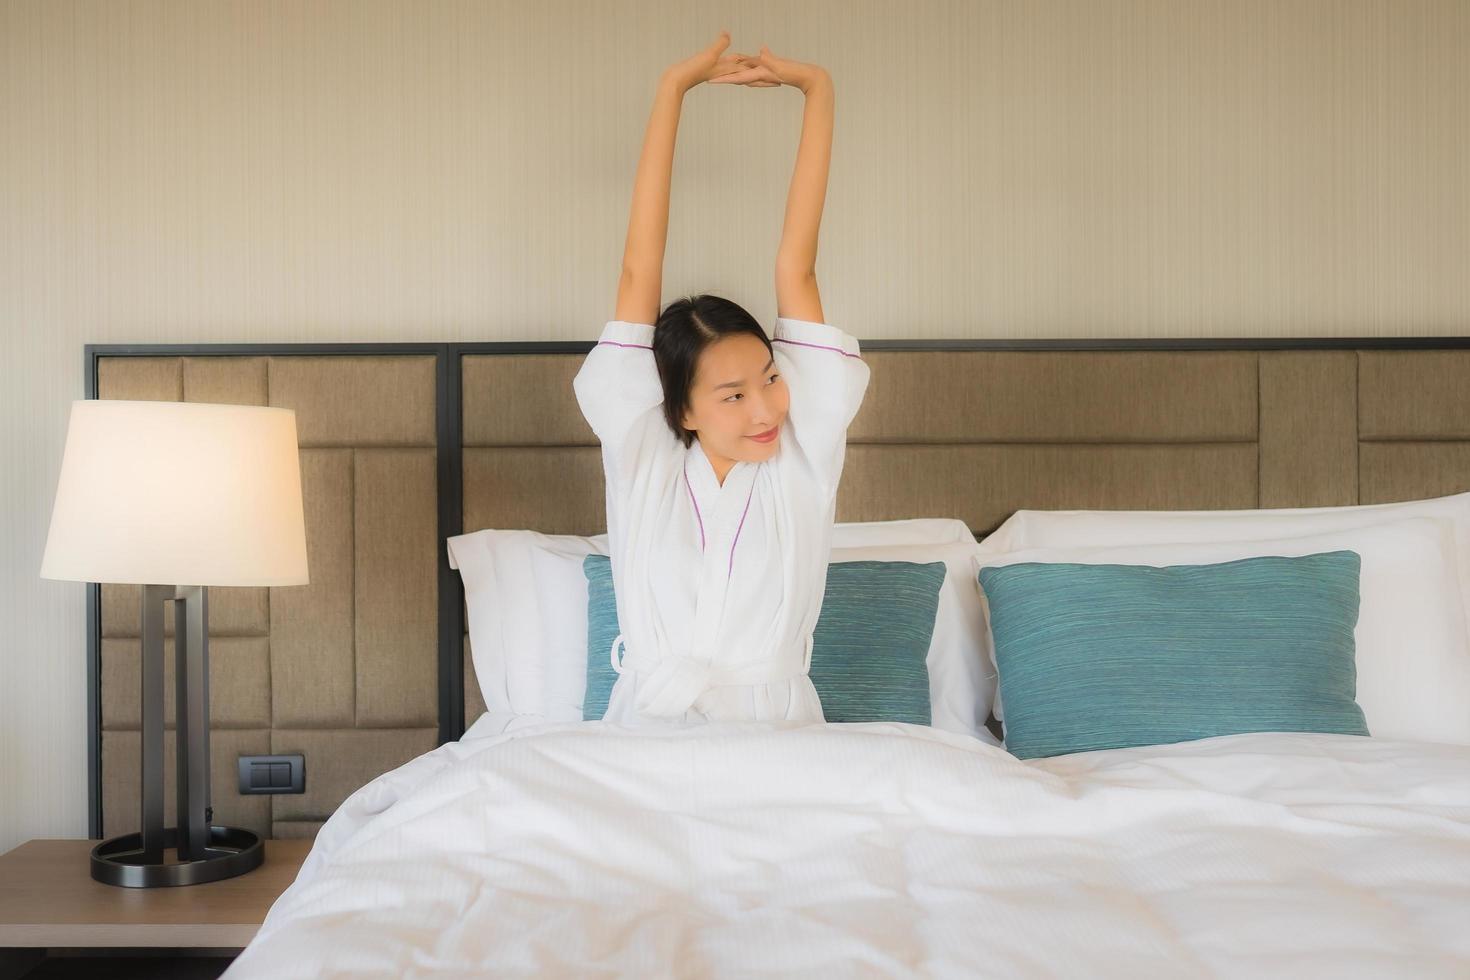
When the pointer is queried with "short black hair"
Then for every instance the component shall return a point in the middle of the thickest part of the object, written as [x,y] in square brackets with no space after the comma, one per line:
[687,326]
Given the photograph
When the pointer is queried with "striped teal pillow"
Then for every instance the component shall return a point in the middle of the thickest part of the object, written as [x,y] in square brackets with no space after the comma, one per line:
[1109,656]
[602,629]
[869,647]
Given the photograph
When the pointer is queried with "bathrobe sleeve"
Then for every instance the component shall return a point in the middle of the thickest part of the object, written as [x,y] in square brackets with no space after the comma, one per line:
[827,378]
[619,393]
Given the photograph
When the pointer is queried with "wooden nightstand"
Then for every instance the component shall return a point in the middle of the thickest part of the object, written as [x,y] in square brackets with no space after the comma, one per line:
[48,901]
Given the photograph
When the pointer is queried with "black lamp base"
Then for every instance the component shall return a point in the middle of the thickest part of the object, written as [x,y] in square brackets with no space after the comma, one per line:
[229,852]
[204,852]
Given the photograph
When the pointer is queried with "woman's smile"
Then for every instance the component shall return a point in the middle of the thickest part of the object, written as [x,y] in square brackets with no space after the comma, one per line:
[766,436]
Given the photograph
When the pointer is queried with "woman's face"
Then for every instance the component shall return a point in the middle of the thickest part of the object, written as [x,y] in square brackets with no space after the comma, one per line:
[736,395]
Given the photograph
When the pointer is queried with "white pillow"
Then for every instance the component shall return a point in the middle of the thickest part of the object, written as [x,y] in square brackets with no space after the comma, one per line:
[917,530]
[526,598]
[1412,649]
[1091,528]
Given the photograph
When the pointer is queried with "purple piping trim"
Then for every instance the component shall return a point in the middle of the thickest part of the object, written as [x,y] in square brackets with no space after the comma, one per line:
[695,503]
[802,343]
[737,530]
[614,343]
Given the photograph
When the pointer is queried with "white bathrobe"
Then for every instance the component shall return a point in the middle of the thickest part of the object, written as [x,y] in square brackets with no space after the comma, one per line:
[719,587]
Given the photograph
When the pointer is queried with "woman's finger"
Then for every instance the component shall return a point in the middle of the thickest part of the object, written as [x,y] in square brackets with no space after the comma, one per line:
[726,68]
[739,77]
[755,78]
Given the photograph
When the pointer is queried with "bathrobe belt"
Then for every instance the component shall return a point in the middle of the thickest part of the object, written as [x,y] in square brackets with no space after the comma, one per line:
[668,687]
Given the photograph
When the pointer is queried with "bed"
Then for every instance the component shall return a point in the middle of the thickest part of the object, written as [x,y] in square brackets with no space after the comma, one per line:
[540,844]
[886,850]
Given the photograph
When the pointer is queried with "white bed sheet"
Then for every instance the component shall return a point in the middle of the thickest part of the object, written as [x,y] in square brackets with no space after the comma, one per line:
[783,849]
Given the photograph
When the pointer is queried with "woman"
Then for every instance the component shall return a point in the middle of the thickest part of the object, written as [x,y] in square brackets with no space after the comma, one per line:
[722,449]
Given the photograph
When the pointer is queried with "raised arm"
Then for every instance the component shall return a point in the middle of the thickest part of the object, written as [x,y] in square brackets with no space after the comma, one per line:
[641,282]
[797,295]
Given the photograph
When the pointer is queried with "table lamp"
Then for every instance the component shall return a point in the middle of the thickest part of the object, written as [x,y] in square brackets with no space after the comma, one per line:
[176,497]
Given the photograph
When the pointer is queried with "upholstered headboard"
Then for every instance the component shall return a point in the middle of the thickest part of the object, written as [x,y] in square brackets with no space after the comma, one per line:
[403,445]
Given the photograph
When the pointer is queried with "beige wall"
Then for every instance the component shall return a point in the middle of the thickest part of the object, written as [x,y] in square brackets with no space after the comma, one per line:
[190,171]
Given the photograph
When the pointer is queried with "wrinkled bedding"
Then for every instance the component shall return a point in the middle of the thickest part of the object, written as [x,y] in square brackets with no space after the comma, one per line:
[864,850]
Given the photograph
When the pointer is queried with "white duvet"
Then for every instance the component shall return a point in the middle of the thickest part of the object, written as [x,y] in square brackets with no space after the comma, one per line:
[877,850]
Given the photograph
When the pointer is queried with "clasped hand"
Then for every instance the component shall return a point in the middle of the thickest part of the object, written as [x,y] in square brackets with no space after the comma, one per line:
[763,70]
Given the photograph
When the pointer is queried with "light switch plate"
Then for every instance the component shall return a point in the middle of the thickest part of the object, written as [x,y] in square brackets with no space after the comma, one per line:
[263,774]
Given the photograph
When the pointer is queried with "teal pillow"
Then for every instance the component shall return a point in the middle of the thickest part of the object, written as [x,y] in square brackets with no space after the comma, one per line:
[1109,656]
[868,648]
[602,629]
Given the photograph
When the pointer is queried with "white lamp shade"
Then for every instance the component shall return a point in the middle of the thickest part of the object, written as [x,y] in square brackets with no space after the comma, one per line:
[178,493]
